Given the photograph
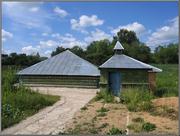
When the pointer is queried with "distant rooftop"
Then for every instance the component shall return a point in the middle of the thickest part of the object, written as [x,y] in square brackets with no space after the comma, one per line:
[65,63]
[118,46]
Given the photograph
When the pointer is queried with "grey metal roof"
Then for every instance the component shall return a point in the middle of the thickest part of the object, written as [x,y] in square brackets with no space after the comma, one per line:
[65,63]
[126,62]
[118,46]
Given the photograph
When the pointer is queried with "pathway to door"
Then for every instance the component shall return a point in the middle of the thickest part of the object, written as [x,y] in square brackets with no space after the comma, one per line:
[52,120]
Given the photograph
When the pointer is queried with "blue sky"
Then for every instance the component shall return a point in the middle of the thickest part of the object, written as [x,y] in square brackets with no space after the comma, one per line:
[42,26]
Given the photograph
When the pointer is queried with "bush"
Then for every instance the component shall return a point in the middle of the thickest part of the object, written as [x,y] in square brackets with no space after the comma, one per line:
[116,131]
[20,102]
[137,99]
[148,126]
[105,95]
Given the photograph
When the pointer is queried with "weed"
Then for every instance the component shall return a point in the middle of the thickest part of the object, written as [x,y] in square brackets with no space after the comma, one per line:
[104,95]
[137,99]
[136,127]
[104,125]
[116,131]
[148,126]
[93,130]
[138,119]
[165,111]
[101,114]
[103,110]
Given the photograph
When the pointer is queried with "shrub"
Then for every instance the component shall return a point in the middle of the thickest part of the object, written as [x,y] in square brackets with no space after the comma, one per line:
[137,99]
[116,131]
[20,102]
[105,95]
[148,126]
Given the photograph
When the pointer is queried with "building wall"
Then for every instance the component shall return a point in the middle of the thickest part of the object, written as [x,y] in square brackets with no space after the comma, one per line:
[152,80]
[66,81]
[128,78]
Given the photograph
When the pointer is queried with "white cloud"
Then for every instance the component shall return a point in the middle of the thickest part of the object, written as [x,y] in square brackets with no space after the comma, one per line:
[29,50]
[97,35]
[23,14]
[165,34]
[47,53]
[136,27]
[60,12]
[6,35]
[85,21]
[34,9]
[45,34]
[47,44]
[68,40]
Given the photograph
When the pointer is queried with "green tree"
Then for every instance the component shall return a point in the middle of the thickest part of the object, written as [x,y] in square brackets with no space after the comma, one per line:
[58,50]
[99,51]
[166,54]
[78,51]
[132,46]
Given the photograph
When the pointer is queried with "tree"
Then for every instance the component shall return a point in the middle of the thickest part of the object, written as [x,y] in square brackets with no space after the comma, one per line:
[78,51]
[58,50]
[132,46]
[166,54]
[99,51]
[125,36]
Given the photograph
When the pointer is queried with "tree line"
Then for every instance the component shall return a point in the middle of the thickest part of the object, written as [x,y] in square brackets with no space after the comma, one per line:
[97,52]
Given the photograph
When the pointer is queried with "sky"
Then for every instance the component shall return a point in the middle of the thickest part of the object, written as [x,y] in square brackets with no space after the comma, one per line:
[32,27]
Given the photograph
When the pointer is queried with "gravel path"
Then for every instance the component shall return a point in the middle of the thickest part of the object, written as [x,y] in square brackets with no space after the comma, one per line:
[52,119]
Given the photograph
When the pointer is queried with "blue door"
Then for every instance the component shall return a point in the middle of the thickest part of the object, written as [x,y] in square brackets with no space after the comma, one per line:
[114,82]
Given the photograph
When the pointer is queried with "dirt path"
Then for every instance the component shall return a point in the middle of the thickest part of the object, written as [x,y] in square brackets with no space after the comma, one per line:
[52,120]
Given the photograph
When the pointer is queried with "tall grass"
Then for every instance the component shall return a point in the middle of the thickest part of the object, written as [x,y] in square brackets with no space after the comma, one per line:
[20,102]
[137,99]
[167,80]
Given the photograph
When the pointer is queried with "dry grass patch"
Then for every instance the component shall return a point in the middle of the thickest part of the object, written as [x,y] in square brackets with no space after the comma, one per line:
[99,118]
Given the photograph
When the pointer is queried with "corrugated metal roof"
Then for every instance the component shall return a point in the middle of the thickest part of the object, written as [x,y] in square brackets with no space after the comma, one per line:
[126,62]
[118,46]
[65,63]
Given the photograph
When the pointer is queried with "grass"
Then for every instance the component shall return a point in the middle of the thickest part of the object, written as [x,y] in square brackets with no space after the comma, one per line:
[116,131]
[137,99]
[165,111]
[104,95]
[139,125]
[103,110]
[167,80]
[20,102]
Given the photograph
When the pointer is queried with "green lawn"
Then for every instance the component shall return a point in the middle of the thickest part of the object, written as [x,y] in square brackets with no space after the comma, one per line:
[167,80]
[19,103]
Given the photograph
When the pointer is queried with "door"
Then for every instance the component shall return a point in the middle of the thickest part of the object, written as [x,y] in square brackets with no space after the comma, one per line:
[114,82]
